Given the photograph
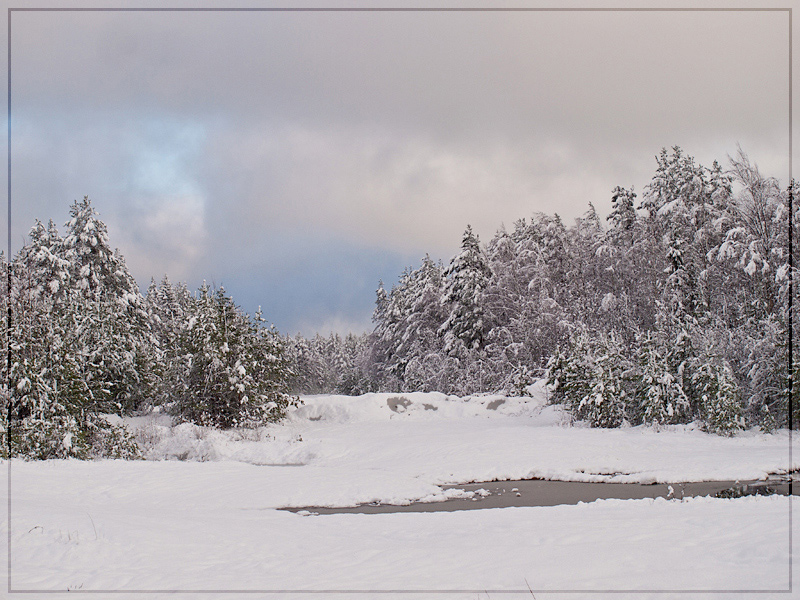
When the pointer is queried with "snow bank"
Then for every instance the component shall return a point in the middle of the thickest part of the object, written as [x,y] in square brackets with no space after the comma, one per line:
[423,406]
[264,446]
[199,526]
[201,515]
[398,448]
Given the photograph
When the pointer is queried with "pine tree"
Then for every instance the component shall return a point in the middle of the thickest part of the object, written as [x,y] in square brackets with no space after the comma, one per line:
[593,378]
[721,409]
[698,265]
[55,400]
[237,373]
[45,264]
[305,366]
[623,213]
[518,313]
[392,312]
[661,396]
[352,375]
[113,320]
[168,307]
[407,320]
[467,277]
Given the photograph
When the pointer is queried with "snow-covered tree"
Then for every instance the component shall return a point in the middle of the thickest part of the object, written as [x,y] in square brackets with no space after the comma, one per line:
[407,320]
[113,320]
[237,373]
[720,404]
[661,396]
[623,211]
[702,263]
[593,377]
[57,387]
[466,278]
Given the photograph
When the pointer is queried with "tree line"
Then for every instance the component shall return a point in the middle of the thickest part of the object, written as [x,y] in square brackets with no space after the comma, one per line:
[83,343]
[675,309]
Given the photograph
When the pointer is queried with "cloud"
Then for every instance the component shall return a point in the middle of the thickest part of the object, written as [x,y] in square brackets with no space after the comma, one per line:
[302,279]
[401,192]
[139,172]
[210,141]
[452,75]
[169,238]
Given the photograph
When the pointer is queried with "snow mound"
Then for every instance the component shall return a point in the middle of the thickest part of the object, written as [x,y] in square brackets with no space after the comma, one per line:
[423,406]
[272,446]
[282,444]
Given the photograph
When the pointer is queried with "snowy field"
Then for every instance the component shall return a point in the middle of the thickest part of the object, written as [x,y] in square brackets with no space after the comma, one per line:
[201,515]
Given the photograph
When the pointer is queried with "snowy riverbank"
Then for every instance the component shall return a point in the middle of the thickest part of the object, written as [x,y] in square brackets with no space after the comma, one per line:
[208,522]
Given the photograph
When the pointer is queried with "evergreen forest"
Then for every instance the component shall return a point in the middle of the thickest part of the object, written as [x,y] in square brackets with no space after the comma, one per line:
[675,308]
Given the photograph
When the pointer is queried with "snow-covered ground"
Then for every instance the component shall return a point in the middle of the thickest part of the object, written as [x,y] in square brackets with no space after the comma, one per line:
[207,519]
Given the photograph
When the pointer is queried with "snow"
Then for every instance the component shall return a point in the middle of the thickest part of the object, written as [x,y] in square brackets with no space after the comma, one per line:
[209,521]
[419,440]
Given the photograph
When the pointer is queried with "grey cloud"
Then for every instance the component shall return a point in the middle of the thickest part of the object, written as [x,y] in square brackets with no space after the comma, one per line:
[452,74]
[138,170]
[401,193]
[202,133]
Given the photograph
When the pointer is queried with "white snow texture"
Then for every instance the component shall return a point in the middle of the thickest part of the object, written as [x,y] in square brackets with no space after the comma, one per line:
[209,521]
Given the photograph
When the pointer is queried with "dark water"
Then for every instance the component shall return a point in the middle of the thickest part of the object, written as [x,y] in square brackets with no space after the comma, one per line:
[538,492]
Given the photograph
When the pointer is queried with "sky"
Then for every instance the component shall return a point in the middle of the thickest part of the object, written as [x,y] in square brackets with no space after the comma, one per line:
[297,158]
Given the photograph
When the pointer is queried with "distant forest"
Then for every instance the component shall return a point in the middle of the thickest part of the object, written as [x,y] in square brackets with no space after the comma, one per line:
[676,308]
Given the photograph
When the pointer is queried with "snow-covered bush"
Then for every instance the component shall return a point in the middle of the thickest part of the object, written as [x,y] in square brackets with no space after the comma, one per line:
[604,382]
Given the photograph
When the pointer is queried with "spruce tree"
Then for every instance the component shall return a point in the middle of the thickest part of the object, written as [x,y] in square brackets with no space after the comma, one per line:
[592,376]
[466,278]
[720,405]
[57,391]
[661,396]
[113,320]
[623,213]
